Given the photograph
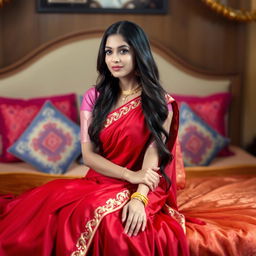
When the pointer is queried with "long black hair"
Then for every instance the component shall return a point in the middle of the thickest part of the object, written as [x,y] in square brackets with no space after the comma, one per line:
[152,96]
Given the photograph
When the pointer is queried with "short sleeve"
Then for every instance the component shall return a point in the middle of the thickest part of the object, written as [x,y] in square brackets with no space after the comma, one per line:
[89,99]
[88,102]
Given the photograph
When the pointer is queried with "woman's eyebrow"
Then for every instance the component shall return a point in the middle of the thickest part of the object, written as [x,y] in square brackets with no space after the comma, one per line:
[121,46]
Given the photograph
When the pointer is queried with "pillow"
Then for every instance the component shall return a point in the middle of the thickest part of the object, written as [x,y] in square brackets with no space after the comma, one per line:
[215,104]
[50,143]
[16,115]
[199,142]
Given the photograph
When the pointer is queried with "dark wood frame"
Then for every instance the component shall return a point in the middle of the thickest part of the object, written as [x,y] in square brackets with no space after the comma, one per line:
[44,7]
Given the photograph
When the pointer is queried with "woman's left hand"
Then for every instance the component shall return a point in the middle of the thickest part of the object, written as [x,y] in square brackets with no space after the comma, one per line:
[135,216]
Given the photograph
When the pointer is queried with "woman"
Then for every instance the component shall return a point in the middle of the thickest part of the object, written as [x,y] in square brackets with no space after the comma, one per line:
[126,204]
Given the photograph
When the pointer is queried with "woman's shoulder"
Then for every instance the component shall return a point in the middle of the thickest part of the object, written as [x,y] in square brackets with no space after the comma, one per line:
[89,99]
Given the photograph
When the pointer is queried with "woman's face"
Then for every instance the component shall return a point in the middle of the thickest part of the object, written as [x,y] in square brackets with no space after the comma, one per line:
[119,57]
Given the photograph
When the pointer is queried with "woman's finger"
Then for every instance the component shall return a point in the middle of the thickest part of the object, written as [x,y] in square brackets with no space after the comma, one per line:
[155,182]
[153,174]
[124,212]
[133,225]
[144,223]
[156,168]
[138,226]
[128,223]
[152,183]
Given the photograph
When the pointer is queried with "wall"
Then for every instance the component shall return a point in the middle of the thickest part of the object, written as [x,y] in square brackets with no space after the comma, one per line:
[194,32]
[249,122]
[1,39]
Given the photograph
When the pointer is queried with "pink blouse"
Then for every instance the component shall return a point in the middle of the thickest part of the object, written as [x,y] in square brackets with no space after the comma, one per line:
[88,101]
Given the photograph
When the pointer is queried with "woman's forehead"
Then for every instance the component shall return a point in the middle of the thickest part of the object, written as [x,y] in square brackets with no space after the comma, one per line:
[115,40]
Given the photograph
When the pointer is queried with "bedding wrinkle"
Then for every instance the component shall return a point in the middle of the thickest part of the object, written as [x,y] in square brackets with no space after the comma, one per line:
[227,204]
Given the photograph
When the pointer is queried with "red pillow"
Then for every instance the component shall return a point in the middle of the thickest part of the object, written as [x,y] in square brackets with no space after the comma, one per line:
[16,115]
[212,109]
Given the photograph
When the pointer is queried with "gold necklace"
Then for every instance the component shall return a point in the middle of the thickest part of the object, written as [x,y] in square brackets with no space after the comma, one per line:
[127,93]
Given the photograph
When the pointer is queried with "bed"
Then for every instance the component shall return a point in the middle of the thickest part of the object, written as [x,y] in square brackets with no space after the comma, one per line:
[221,194]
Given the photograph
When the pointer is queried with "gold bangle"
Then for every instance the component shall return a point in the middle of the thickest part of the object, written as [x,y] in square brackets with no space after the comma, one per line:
[145,202]
[141,197]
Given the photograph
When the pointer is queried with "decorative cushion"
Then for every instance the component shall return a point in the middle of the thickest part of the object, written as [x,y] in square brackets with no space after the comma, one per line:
[50,143]
[16,115]
[212,109]
[199,142]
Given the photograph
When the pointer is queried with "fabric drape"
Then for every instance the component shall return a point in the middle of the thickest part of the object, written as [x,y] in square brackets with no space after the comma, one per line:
[83,216]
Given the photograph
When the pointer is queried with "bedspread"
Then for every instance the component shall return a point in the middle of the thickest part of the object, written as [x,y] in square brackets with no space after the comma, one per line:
[228,207]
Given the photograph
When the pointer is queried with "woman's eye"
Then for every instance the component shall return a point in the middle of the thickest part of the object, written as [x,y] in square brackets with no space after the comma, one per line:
[108,52]
[124,51]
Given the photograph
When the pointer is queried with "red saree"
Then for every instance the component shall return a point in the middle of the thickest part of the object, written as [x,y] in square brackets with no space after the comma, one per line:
[83,216]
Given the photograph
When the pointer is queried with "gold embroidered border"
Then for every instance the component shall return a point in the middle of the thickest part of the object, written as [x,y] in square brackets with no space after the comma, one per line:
[180,218]
[127,108]
[121,112]
[91,226]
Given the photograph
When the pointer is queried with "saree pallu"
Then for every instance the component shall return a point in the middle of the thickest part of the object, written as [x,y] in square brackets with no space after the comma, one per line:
[83,216]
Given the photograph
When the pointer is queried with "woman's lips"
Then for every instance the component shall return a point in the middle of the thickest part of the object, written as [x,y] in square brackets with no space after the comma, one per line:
[116,68]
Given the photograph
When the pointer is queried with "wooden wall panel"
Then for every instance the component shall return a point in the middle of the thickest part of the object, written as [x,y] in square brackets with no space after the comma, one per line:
[20,30]
[1,39]
[192,30]
[249,116]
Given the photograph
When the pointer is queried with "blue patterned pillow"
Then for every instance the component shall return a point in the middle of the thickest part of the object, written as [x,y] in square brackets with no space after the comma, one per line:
[50,143]
[199,142]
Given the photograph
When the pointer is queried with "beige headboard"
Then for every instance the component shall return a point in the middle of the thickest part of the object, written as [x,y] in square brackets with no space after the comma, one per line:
[68,64]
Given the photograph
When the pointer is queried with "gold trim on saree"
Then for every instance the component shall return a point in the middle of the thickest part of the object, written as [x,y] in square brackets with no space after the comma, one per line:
[122,111]
[91,226]
[180,218]
[127,108]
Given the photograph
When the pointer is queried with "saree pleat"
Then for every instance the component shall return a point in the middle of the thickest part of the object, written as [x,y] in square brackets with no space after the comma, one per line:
[83,216]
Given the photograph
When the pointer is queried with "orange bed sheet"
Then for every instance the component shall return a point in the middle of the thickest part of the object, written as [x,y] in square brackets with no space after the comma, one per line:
[227,204]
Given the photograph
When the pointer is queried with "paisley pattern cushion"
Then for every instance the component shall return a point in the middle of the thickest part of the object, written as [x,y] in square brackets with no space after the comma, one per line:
[50,143]
[16,115]
[212,109]
[199,142]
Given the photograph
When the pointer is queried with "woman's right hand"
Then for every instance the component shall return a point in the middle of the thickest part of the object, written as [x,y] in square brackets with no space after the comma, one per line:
[148,176]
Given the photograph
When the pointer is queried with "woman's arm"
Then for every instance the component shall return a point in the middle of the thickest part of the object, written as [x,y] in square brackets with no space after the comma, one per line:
[102,165]
[134,211]
[151,156]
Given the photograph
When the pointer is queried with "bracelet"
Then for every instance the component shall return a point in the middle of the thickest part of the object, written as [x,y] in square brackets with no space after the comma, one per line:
[141,197]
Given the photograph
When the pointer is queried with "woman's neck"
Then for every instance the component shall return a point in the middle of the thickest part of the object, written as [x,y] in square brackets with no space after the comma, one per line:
[126,85]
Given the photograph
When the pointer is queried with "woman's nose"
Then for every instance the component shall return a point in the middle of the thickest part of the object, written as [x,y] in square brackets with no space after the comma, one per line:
[116,58]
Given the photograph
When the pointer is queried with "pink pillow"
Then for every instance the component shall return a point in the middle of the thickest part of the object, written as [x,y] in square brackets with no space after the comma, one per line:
[212,109]
[17,114]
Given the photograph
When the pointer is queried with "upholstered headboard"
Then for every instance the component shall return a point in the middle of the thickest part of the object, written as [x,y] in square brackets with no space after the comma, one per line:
[68,64]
